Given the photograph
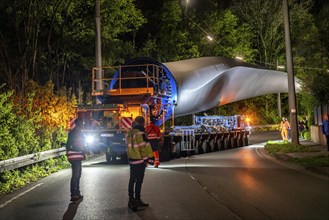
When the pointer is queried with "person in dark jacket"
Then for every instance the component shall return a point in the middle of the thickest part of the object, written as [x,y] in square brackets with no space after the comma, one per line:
[325,128]
[75,148]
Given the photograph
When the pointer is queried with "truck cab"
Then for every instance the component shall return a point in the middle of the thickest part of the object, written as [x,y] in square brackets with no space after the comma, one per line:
[105,128]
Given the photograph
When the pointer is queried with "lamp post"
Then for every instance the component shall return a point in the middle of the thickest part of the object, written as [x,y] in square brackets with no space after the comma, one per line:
[98,50]
[278,67]
[291,79]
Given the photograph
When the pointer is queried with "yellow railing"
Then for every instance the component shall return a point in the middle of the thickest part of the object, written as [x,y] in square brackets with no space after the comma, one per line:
[148,76]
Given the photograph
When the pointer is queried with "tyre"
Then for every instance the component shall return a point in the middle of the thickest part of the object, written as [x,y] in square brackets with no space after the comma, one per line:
[110,158]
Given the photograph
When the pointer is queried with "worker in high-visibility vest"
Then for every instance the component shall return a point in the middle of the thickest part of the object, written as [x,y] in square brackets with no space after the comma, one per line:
[139,152]
[153,135]
[284,128]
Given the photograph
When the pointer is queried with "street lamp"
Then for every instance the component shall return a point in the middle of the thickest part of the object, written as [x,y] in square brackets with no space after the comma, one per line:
[186,5]
[210,38]
[279,67]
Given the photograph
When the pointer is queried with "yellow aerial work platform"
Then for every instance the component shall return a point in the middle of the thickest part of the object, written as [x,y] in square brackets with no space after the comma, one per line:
[127,80]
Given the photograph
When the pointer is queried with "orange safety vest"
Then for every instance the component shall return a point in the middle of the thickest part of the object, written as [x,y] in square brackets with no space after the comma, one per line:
[153,132]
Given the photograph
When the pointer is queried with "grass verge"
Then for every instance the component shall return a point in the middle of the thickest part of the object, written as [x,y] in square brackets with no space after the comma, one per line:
[310,162]
[307,162]
[285,147]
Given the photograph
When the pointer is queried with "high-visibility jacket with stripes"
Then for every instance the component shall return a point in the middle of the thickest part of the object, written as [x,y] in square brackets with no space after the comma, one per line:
[75,145]
[138,150]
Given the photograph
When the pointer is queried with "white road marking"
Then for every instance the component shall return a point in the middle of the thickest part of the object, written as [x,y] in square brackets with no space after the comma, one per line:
[21,194]
[259,152]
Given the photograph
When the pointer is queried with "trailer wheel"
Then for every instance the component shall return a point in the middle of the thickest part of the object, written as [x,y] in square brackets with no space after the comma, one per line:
[178,150]
[221,144]
[204,146]
[234,142]
[227,143]
[246,141]
[196,147]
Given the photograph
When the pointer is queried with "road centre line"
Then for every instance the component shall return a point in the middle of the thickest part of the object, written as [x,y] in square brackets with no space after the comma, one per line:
[19,195]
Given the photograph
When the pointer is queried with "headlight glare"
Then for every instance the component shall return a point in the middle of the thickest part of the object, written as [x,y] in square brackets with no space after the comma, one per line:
[90,139]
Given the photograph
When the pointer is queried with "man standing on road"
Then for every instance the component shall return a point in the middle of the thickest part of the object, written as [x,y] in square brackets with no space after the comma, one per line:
[153,135]
[75,148]
[137,151]
[325,128]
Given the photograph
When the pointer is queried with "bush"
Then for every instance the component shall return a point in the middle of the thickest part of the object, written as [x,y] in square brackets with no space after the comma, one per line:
[306,135]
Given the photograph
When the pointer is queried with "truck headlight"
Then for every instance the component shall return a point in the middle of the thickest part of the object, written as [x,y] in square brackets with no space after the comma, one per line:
[90,139]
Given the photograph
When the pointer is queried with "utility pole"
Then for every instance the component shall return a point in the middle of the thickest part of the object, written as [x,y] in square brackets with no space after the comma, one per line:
[98,48]
[291,78]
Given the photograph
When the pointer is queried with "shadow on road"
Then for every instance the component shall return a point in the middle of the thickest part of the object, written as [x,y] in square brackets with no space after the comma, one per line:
[71,210]
[104,163]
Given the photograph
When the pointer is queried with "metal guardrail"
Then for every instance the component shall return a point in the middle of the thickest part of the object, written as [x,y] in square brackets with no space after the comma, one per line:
[22,161]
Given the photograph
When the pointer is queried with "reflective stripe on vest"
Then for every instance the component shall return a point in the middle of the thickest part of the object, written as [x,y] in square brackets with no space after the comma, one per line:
[135,145]
[152,136]
[136,161]
[75,155]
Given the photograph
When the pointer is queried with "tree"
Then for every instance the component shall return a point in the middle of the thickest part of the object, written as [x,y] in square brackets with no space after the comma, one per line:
[48,112]
[173,39]
[231,37]
[312,56]
[266,20]
[7,119]
[54,40]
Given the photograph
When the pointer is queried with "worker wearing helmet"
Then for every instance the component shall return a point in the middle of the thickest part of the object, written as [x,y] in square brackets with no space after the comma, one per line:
[138,152]
[153,135]
[284,127]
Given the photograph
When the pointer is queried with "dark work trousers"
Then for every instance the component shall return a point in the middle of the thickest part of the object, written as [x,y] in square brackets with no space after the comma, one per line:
[154,144]
[327,138]
[137,172]
[75,180]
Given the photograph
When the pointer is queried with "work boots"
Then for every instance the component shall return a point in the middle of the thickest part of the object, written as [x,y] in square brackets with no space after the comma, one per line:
[141,203]
[133,204]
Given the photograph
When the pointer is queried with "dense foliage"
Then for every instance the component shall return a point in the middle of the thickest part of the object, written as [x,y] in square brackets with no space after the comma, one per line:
[34,122]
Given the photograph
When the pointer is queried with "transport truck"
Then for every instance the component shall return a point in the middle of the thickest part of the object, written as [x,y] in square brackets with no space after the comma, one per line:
[146,87]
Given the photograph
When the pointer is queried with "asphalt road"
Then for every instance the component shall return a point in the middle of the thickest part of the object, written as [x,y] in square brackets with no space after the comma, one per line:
[240,183]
